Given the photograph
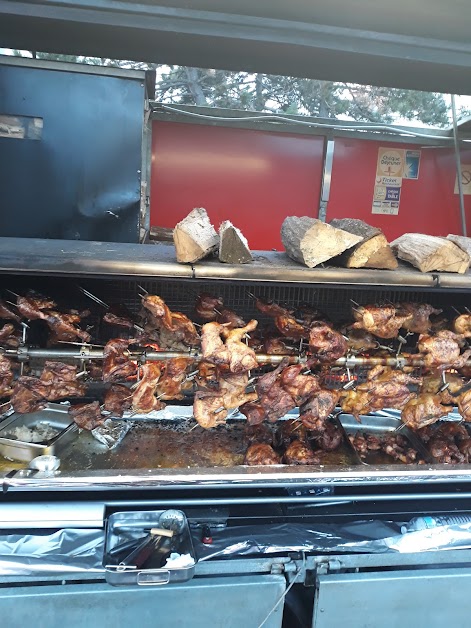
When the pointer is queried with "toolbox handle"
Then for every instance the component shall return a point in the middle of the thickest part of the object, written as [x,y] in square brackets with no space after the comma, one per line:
[153,578]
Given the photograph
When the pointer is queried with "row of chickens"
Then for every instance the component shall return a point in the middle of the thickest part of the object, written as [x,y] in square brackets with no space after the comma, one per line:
[228,352]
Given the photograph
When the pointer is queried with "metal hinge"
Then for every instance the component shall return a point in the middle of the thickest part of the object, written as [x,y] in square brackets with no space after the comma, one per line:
[326,566]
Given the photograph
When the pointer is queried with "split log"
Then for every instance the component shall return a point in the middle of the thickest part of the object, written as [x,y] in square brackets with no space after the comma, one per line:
[233,245]
[311,241]
[429,253]
[462,241]
[161,234]
[372,252]
[195,237]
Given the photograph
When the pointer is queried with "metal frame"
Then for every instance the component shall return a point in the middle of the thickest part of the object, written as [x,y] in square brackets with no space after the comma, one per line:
[368,43]
[303,125]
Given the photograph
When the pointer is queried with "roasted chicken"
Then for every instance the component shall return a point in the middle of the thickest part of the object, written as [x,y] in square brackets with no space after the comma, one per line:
[261,454]
[423,410]
[384,321]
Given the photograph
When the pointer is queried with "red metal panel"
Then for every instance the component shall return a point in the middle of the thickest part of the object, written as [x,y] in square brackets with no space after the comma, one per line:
[428,205]
[257,178]
[253,178]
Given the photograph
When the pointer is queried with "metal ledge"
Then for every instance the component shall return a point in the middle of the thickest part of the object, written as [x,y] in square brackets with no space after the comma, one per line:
[31,256]
[73,258]
[277,267]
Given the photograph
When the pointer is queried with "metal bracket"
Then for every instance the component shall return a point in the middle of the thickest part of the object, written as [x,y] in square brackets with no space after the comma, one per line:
[326,178]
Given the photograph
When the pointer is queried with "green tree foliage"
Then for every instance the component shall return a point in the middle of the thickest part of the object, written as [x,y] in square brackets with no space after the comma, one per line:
[282,94]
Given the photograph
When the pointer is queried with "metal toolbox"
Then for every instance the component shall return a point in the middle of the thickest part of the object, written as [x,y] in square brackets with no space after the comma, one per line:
[54,416]
[122,527]
[379,425]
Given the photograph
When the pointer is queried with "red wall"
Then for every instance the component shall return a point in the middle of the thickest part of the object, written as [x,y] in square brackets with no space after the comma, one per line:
[253,178]
[257,178]
[428,205]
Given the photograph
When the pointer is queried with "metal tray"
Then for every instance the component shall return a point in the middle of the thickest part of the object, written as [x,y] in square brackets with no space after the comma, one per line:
[54,415]
[377,425]
[125,526]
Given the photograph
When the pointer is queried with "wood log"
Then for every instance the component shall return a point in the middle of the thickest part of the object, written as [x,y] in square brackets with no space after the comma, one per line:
[311,241]
[233,245]
[161,234]
[195,237]
[462,241]
[372,252]
[429,253]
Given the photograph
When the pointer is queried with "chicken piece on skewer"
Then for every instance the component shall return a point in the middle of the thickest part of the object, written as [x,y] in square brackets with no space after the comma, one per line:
[326,344]
[172,382]
[10,336]
[462,325]
[254,412]
[241,357]
[316,410]
[117,400]
[423,410]
[284,320]
[62,381]
[233,390]
[87,415]
[117,320]
[63,326]
[443,350]
[7,313]
[300,387]
[6,376]
[230,319]
[208,409]
[384,321]
[207,306]
[175,322]
[261,454]
[356,403]
[307,315]
[388,388]
[289,327]
[143,397]
[117,366]
[299,452]
[269,308]
[273,398]
[434,384]
[207,376]
[29,394]
[464,405]
[33,303]
[420,322]
[277,346]
[213,348]
[359,340]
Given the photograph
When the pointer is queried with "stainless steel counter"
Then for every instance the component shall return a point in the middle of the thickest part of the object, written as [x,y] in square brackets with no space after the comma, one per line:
[29,256]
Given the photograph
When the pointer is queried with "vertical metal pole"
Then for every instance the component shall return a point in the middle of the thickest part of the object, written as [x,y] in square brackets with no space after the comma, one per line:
[458,165]
[326,178]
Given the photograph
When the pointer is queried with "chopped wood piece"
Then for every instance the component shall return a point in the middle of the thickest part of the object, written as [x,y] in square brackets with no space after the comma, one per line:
[429,253]
[311,241]
[161,234]
[233,245]
[195,237]
[462,241]
[372,252]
